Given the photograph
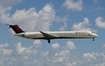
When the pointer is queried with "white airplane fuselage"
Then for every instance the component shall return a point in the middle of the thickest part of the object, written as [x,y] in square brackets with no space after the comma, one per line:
[48,35]
[57,34]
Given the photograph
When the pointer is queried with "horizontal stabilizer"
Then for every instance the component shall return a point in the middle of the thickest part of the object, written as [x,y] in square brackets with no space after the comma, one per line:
[16,28]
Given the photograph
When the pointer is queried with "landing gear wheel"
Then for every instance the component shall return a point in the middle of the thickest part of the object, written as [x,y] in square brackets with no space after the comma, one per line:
[49,41]
[93,39]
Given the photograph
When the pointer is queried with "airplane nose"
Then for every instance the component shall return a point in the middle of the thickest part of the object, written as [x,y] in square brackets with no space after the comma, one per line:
[95,35]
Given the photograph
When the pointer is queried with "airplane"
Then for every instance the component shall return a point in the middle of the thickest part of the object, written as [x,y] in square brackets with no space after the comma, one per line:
[48,35]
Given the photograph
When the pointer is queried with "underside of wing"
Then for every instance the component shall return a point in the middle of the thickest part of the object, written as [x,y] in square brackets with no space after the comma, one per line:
[48,36]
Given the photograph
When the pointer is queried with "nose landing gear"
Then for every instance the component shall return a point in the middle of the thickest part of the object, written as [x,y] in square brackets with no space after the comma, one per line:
[93,39]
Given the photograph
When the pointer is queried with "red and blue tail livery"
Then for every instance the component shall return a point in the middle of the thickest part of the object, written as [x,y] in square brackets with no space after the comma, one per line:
[16,28]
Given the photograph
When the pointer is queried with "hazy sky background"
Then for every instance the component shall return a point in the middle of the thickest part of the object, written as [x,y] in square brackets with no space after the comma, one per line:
[52,15]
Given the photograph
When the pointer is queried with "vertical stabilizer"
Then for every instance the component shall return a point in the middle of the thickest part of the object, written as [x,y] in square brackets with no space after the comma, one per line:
[16,28]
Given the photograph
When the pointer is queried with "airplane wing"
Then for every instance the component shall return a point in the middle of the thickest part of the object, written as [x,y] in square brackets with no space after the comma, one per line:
[48,36]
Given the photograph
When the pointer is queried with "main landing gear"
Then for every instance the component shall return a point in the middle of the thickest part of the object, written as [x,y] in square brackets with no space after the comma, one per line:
[49,41]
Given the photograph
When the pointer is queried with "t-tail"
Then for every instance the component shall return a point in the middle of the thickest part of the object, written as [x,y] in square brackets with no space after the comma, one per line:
[16,28]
